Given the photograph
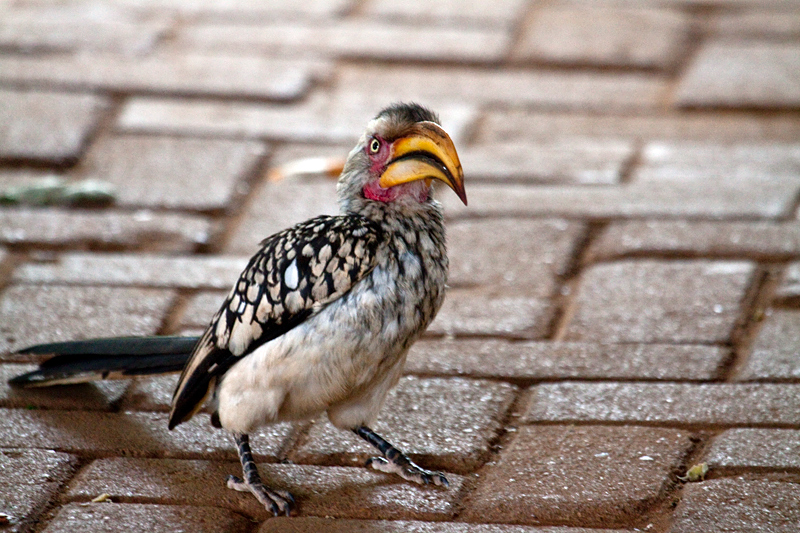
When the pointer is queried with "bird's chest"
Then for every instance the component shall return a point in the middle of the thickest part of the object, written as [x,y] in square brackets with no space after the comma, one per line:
[409,281]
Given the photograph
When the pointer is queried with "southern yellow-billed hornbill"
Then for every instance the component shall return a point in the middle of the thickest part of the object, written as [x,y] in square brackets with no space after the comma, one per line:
[323,315]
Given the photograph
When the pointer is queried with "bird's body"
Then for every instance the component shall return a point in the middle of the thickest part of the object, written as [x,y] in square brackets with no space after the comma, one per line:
[353,349]
[322,317]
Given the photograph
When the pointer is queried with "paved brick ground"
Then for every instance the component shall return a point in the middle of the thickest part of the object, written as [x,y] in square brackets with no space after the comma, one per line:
[625,289]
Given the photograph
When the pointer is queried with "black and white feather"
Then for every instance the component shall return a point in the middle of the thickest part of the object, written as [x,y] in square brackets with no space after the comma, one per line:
[293,276]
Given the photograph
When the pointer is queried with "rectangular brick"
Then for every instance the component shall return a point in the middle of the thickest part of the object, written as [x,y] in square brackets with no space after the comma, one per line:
[419,418]
[789,289]
[541,252]
[153,393]
[116,518]
[577,475]
[151,270]
[46,126]
[659,301]
[99,434]
[753,240]
[584,90]
[773,355]
[757,23]
[748,163]
[346,38]
[275,206]
[473,312]
[567,161]
[605,35]
[679,404]
[142,230]
[751,448]
[742,74]
[248,76]
[319,118]
[75,27]
[32,314]
[31,480]
[695,199]
[454,12]
[528,361]
[201,307]
[320,491]
[738,504]
[333,525]
[515,125]
[174,173]
[241,10]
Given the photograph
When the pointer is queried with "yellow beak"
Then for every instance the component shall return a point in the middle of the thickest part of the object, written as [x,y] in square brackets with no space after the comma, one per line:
[427,152]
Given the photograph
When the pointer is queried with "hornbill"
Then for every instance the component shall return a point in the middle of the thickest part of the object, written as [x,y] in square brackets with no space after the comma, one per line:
[323,315]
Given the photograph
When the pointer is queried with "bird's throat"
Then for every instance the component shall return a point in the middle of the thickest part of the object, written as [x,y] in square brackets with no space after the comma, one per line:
[418,190]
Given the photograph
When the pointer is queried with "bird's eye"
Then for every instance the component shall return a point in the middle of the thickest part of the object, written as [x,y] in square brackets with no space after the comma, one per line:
[374,146]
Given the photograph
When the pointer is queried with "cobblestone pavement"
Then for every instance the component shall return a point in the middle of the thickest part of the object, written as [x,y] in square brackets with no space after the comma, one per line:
[625,292]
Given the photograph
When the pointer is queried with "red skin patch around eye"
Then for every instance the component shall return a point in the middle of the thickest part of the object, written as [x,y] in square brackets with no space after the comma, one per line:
[373,190]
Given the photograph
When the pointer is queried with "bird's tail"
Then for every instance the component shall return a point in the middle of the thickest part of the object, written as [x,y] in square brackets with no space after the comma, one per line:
[110,358]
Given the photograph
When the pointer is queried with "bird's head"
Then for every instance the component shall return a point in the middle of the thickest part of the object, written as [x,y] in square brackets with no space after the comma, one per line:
[401,152]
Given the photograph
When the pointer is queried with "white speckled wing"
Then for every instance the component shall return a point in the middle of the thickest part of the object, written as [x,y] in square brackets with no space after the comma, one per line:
[294,275]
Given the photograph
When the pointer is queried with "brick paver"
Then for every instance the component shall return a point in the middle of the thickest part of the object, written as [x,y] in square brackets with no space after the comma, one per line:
[113,518]
[47,126]
[28,311]
[605,36]
[624,285]
[543,360]
[747,74]
[313,524]
[677,301]
[774,351]
[638,238]
[204,173]
[666,403]
[764,199]
[534,127]
[71,27]
[738,504]
[481,259]
[765,449]
[346,39]
[501,12]
[140,230]
[585,161]
[249,76]
[151,270]
[789,288]
[620,471]
[31,479]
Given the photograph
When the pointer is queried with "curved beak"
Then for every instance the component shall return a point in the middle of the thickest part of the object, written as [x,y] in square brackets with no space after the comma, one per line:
[426,152]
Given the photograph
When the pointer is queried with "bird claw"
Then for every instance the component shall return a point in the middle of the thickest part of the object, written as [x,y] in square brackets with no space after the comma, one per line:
[409,472]
[279,502]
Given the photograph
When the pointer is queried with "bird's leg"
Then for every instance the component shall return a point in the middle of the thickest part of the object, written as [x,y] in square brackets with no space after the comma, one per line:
[277,501]
[396,462]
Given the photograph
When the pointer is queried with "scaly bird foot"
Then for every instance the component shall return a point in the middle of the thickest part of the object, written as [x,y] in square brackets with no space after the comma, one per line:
[408,471]
[279,502]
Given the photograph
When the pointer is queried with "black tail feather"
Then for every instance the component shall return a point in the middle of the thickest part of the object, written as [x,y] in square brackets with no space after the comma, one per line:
[110,358]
